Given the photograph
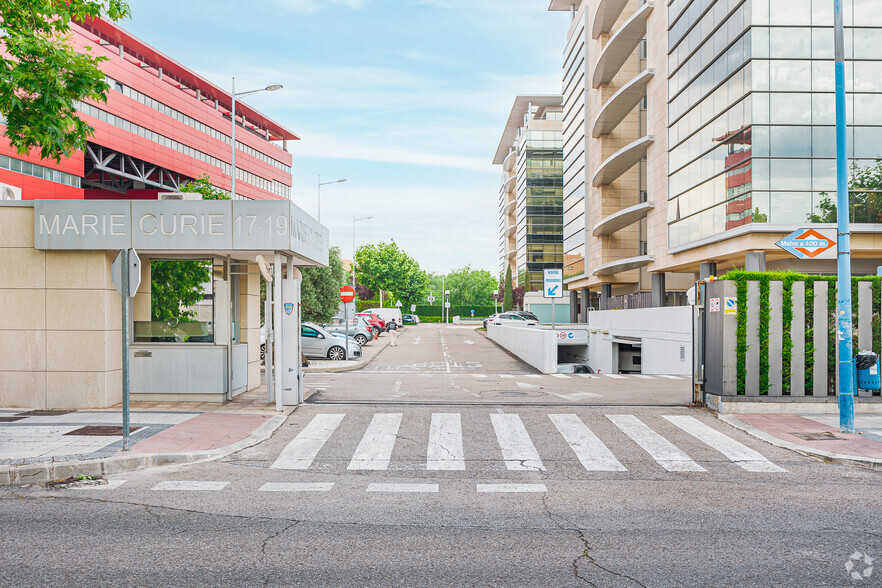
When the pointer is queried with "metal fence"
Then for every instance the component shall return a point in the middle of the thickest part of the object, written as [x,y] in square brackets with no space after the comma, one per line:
[644,300]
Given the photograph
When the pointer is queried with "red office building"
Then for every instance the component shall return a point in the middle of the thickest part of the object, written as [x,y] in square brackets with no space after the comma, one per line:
[161,126]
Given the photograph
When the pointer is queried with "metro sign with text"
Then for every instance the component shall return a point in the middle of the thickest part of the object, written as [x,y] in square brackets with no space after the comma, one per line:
[810,243]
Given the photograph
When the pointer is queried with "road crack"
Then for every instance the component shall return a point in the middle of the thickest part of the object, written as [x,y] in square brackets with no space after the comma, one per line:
[565,525]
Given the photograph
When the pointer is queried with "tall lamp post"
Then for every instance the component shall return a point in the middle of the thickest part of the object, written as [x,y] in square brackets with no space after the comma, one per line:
[234,94]
[319,192]
[355,220]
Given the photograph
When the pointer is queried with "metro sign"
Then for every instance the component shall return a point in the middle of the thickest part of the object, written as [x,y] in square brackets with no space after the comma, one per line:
[810,244]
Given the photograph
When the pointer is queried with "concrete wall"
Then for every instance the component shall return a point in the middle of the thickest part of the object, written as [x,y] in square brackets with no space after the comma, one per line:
[541,307]
[537,347]
[662,332]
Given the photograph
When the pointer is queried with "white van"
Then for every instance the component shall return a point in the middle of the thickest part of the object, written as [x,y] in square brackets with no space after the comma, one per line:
[387,314]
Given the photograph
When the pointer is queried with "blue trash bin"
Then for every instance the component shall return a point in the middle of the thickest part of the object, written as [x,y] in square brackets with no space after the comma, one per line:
[869,378]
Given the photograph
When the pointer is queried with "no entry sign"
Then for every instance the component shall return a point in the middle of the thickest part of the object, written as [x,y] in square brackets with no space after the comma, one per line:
[347,294]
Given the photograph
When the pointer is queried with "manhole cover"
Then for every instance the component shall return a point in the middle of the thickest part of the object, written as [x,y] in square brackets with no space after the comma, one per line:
[101,431]
[44,413]
[820,436]
[514,393]
[10,419]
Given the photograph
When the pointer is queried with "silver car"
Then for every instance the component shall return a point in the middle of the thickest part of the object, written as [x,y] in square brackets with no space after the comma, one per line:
[358,329]
[316,342]
[510,318]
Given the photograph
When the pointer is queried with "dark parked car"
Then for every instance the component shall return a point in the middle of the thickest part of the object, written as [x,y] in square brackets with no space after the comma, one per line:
[410,319]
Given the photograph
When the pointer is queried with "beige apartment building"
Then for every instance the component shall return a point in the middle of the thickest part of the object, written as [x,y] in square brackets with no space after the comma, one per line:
[698,133]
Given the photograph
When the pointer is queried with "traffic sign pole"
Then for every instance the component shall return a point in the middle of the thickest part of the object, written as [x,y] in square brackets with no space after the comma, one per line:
[347,295]
[843,280]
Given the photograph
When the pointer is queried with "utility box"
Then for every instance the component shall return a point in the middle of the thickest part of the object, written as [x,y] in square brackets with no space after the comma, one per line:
[720,338]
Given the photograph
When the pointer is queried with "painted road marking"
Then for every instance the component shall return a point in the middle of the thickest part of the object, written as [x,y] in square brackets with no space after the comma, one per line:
[445,443]
[416,341]
[190,485]
[377,487]
[301,451]
[534,375]
[517,448]
[468,342]
[525,386]
[587,376]
[479,376]
[297,487]
[511,488]
[110,485]
[375,449]
[564,376]
[616,376]
[577,395]
[594,455]
[506,376]
[660,449]
[742,455]
[444,349]
[644,377]
[670,377]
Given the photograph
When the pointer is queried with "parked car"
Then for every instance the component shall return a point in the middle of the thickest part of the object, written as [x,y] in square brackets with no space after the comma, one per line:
[510,318]
[374,320]
[526,314]
[490,318]
[318,343]
[360,332]
[410,319]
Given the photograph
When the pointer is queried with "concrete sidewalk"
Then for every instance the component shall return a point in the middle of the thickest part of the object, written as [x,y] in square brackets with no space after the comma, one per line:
[43,446]
[817,435]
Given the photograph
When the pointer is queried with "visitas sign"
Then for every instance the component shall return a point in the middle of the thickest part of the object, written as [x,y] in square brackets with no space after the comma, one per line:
[198,226]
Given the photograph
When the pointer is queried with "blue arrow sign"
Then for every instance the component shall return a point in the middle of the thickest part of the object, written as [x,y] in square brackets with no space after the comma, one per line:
[552,291]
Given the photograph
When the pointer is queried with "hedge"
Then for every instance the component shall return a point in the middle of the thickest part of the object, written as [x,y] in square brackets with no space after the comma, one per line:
[425,310]
[741,277]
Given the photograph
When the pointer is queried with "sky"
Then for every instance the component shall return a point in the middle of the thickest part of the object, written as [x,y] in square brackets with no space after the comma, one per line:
[406,99]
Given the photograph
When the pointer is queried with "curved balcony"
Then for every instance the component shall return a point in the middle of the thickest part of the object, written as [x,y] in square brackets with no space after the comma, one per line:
[507,208]
[620,46]
[614,110]
[511,253]
[621,161]
[509,229]
[605,16]
[509,161]
[621,219]
[508,185]
[623,265]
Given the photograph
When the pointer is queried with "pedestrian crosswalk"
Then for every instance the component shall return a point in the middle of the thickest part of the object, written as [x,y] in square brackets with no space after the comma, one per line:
[445,447]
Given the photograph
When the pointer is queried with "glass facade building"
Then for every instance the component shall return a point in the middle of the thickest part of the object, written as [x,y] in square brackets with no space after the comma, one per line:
[751,112]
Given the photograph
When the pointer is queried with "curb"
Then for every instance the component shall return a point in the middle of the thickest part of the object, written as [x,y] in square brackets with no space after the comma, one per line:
[857,460]
[38,473]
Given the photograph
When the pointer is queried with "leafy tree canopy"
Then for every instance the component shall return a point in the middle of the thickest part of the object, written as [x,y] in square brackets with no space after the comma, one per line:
[471,287]
[42,75]
[203,186]
[320,289]
[387,267]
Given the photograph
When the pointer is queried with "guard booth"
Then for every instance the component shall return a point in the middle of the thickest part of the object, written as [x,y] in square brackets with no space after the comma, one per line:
[66,346]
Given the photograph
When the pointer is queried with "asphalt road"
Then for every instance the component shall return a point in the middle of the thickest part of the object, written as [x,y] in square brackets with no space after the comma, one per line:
[437,487]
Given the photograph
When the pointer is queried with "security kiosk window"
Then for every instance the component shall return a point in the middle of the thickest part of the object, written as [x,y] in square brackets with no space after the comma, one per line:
[181,303]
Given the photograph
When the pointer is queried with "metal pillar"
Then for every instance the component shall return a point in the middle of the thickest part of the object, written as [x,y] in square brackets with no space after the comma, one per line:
[605,294]
[658,290]
[843,269]
[707,268]
[277,322]
[755,261]
[124,275]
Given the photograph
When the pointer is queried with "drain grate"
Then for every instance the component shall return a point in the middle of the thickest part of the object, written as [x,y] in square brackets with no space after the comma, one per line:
[101,431]
[10,419]
[819,436]
[44,413]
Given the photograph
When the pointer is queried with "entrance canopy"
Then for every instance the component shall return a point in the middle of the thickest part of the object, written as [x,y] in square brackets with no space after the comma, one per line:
[238,228]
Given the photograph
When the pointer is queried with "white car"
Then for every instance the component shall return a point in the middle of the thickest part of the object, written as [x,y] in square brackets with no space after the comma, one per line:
[510,318]
[316,342]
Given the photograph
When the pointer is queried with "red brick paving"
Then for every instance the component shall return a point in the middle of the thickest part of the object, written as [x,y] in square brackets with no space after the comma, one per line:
[204,432]
[782,425]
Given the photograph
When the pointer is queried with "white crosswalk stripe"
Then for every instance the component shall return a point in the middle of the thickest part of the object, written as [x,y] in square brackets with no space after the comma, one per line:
[663,451]
[643,377]
[594,455]
[616,376]
[670,377]
[375,449]
[517,448]
[562,376]
[445,443]
[301,451]
[739,453]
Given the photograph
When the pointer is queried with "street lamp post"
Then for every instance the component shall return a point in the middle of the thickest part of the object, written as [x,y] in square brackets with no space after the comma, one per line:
[355,220]
[319,193]
[270,88]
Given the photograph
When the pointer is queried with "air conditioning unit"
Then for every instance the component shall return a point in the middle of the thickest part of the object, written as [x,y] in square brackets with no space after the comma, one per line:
[180,196]
[8,192]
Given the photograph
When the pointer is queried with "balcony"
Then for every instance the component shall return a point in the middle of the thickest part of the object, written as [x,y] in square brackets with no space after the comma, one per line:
[620,46]
[509,162]
[620,104]
[508,185]
[623,265]
[621,161]
[621,219]
[606,15]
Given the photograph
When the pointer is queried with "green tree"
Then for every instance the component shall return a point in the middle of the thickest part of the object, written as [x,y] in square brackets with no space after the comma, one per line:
[320,289]
[507,293]
[471,287]
[42,75]
[387,267]
[178,283]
